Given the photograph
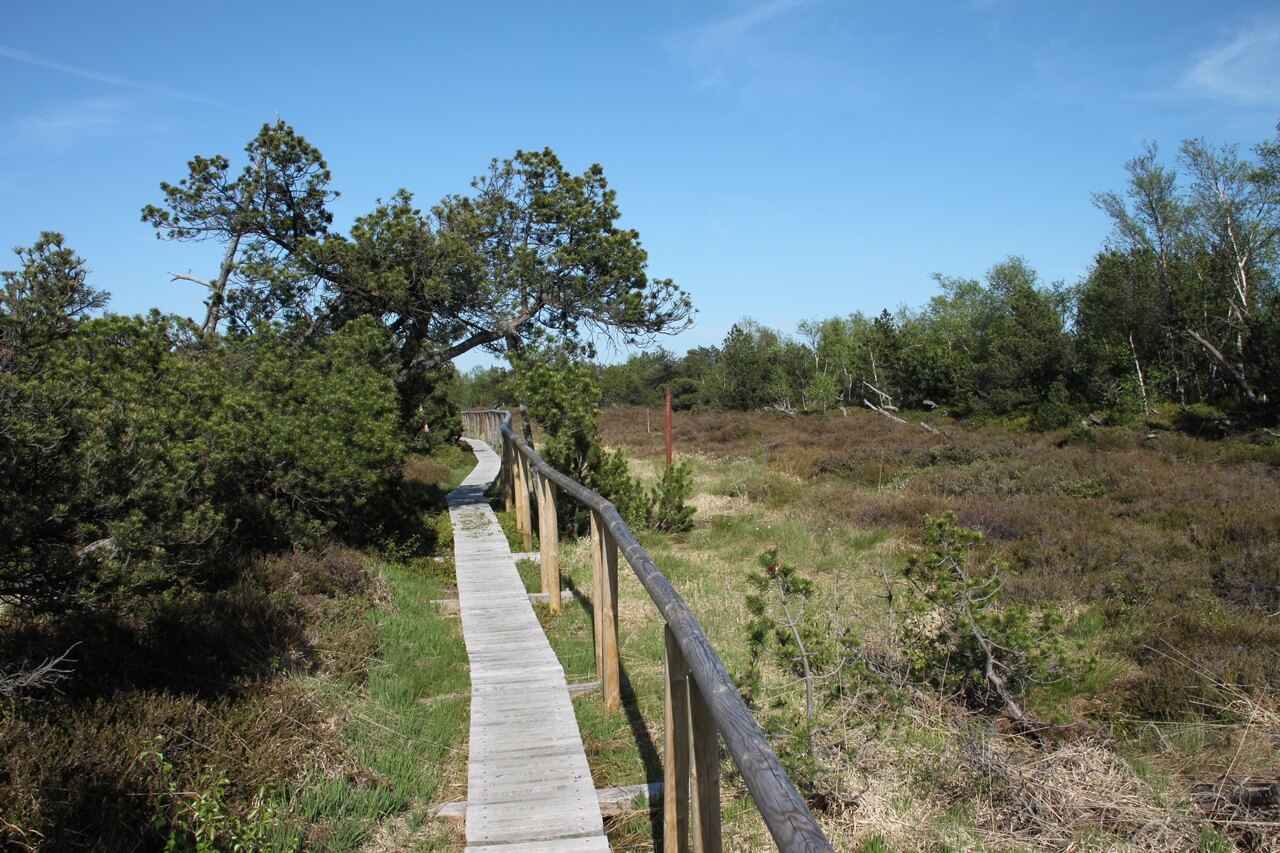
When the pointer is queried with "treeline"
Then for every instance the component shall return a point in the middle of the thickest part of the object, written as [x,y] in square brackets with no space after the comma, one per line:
[1181,305]
[997,346]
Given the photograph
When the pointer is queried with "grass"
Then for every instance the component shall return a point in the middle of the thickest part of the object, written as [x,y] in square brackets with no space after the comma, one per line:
[1172,540]
[403,731]
[340,702]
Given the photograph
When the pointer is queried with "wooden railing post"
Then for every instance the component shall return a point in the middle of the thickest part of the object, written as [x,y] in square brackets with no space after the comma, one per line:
[524,516]
[597,585]
[675,785]
[706,773]
[549,543]
[604,588]
[535,501]
[611,676]
[517,485]
[508,475]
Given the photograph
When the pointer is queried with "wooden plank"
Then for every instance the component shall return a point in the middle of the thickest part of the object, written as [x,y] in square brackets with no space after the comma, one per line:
[613,801]
[528,783]
[588,844]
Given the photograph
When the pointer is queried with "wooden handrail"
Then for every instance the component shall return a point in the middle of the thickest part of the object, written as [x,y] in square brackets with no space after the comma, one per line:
[703,689]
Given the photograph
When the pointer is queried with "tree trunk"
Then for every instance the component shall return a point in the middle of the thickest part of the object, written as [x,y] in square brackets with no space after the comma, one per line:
[1146,409]
[218,289]
[1235,372]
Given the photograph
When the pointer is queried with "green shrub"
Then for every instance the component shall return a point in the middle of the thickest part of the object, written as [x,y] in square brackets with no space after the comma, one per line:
[200,821]
[138,460]
[670,512]
[1050,415]
[563,398]
[821,669]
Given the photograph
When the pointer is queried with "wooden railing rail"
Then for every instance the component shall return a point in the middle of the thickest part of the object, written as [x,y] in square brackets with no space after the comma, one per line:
[702,703]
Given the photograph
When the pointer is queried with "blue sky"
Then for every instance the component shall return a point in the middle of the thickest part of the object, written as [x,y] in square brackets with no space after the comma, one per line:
[785,160]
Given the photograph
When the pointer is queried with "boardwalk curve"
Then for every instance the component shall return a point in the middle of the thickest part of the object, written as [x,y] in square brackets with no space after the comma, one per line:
[528,784]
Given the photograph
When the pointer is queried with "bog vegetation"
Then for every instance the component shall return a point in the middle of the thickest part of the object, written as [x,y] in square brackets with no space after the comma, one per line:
[865,579]
[216,536]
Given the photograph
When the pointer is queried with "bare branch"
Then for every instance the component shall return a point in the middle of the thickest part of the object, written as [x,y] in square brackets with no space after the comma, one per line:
[873,407]
[177,276]
[885,399]
[12,684]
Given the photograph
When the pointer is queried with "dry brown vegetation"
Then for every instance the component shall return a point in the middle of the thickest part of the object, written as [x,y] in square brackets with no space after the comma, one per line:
[1161,547]
[1174,539]
[198,680]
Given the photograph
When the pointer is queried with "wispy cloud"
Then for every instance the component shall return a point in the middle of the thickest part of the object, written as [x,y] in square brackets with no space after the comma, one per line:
[101,77]
[66,125]
[728,32]
[1244,68]
[735,44]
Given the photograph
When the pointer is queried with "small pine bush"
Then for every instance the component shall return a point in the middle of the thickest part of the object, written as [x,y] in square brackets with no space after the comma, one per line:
[670,513]
[958,626]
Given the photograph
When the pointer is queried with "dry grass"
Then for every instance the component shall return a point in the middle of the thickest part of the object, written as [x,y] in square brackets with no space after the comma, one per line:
[207,681]
[930,777]
[1175,540]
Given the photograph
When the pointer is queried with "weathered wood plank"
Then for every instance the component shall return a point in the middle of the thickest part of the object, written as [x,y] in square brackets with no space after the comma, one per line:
[528,784]
[613,801]
[590,844]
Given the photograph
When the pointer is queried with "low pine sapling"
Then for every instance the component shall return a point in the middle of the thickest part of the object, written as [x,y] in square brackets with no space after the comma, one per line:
[960,638]
[670,513]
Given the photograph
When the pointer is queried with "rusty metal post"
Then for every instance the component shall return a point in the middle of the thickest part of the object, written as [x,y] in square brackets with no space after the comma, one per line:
[668,395]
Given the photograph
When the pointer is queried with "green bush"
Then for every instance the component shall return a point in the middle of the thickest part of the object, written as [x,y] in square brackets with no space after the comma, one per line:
[563,398]
[670,513]
[136,459]
[312,436]
[804,668]
[199,821]
[1050,415]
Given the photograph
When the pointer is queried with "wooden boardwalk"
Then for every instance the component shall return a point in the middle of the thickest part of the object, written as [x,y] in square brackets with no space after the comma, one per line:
[528,785]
